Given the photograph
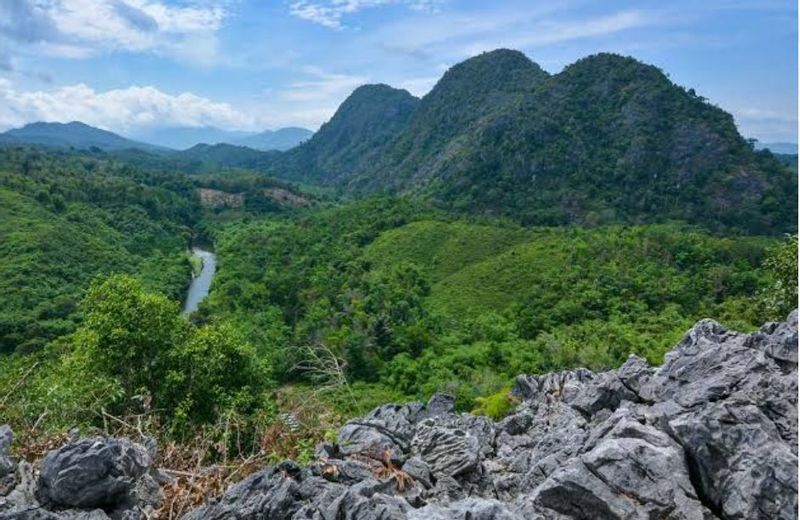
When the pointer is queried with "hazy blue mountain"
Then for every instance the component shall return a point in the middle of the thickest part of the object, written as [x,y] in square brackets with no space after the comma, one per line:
[183,138]
[781,148]
[281,139]
[75,134]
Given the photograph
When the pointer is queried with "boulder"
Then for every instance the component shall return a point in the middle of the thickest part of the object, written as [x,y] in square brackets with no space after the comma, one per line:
[96,472]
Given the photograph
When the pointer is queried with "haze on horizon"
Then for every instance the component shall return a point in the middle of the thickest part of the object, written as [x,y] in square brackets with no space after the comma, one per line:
[131,66]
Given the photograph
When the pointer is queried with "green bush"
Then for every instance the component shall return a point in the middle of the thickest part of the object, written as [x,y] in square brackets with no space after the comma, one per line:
[495,406]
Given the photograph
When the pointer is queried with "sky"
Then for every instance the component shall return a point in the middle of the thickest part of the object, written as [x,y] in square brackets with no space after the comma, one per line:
[133,65]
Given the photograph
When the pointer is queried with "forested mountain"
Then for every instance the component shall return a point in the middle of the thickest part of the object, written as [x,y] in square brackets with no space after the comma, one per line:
[352,140]
[74,134]
[606,140]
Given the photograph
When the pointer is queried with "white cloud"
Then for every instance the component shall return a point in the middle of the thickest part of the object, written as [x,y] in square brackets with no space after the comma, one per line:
[330,13]
[307,102]
[548,32]
[82,28]
[767,124]
[322,86]
[456,35]
[119,110]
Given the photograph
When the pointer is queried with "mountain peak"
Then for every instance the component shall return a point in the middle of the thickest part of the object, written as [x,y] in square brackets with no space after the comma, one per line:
[497,70]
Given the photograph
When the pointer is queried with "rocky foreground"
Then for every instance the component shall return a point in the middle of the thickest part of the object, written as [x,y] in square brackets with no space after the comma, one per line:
[710,434]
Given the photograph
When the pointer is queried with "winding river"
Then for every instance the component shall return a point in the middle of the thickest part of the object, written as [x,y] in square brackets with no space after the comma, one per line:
[201,283]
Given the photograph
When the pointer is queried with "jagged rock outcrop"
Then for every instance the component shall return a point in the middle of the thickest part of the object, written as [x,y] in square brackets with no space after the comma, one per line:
[96,478]
[711,434]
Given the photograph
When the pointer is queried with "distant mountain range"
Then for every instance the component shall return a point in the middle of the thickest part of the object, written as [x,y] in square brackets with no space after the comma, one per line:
[183,138]
[607,140]
[781,148]
[82,136]
[75,135]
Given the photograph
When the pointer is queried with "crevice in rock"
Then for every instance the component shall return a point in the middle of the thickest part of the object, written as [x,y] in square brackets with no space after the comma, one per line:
[695,477]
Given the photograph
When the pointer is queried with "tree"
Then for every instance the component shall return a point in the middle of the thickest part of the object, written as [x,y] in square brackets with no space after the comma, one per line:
[128,332]
[781,263]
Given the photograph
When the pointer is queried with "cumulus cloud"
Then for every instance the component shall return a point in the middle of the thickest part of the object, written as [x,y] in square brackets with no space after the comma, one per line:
[330,14]
[83,28]
[120,110]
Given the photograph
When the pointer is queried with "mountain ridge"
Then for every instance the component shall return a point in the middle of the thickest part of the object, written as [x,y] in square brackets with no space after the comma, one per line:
[74,134]
[608,139]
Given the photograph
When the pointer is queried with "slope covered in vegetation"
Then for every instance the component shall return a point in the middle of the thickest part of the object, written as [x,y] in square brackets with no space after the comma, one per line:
[65,219]
[415,301]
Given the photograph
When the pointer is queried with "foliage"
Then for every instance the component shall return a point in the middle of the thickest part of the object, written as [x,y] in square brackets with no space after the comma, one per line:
[780,298]
[134,353]
[495,406]
[608,140]
[409,299]
[65,218]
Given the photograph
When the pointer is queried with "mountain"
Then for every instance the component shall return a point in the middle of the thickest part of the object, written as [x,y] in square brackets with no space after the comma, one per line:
[778,148]
[369,119]
[183,138]
[607,140]
[74,134]
[281,139]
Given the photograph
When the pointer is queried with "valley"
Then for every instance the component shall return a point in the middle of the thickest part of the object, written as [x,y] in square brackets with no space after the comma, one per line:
[239,305]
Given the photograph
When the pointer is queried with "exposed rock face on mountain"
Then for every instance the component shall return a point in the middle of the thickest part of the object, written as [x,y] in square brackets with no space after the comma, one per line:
[710,434]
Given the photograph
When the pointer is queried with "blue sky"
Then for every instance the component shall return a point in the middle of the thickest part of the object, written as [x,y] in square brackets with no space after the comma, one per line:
[131,65]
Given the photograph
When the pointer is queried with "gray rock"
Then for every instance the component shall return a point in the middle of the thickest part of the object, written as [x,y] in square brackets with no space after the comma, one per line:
[744,467]
[448,449]
[371,439]
[467,509]
[417,469]
[96,472]
[271,493]
[712,433]
[8,477]
[368,500]
[631,471]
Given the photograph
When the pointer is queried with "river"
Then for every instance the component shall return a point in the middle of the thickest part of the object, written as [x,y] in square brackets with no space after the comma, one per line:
[201,283]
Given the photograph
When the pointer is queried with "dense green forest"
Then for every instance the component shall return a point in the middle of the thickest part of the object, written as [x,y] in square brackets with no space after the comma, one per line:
[64,219]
